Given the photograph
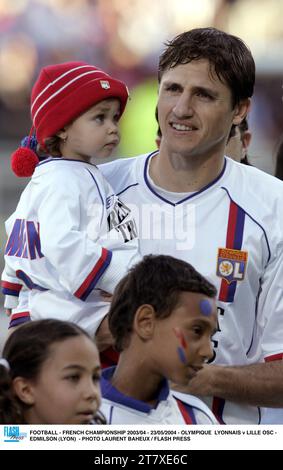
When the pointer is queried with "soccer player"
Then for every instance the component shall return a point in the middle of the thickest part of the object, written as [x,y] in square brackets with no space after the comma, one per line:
[223,218]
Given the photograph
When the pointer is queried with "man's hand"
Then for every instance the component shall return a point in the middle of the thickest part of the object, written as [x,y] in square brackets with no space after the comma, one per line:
[200,384]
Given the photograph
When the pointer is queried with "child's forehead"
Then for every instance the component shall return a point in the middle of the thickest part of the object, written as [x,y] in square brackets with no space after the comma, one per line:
[105,105]
[196,304]
[74,348]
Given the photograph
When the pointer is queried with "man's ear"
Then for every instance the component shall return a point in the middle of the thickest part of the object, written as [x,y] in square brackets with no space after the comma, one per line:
[144,321]
[24,390]
[241,110]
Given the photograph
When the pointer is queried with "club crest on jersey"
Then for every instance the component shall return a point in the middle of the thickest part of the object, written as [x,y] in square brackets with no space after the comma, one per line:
[231,264]
[105,84]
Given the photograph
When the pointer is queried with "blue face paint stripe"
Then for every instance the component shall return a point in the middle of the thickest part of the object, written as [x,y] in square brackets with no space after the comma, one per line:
[205,307]
[181,355]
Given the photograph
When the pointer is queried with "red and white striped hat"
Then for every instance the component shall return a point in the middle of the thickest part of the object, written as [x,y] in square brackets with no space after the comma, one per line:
[64,91]
[61,93]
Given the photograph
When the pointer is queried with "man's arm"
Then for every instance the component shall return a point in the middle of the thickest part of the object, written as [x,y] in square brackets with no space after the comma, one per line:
[256,384]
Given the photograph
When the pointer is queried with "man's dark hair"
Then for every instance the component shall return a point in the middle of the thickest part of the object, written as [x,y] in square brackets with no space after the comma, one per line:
[228,55]
[157,281]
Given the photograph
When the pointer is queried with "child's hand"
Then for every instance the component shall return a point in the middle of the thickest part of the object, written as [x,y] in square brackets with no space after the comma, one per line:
[106,296]
[8,311]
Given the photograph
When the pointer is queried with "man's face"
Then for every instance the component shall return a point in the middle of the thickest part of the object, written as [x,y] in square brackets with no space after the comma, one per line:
[195,110]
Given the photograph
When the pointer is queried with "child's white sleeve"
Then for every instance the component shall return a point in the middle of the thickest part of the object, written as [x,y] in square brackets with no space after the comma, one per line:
[81,262]
[11,287]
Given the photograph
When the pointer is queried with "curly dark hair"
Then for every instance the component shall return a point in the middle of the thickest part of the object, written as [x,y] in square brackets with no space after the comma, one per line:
[228,55]
[158,281]
[52,147]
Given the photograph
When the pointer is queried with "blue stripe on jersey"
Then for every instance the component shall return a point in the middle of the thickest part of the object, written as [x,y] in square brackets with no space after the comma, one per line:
[60,159]
[231,292]
[255,221]
[111,393]
[186,411]
[125,189]
[217,408]
[97,187]
[239,231]
[18,321]
[97,275]
[111,415]
[28,282]
[6,291]
[234,238]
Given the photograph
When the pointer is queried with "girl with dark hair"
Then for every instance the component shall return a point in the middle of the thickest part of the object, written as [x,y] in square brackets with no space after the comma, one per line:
[49,374]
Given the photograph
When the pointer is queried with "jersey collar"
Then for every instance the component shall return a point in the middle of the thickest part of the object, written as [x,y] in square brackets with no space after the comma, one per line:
[147,182]
[111,393]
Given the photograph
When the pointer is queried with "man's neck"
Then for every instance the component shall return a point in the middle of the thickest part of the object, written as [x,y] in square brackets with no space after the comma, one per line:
[176,173]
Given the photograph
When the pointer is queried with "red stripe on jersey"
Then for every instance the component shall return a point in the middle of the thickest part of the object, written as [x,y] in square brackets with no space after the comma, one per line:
[230,238]
[232,222]
[275,357]
[84,286]
[223,292]
[14,316]
[11,285]
[185,413]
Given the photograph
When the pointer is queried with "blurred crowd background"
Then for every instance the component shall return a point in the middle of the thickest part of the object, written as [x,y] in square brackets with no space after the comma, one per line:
[125,38]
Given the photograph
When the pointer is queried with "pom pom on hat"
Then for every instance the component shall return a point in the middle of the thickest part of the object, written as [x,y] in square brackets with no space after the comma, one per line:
[24,159]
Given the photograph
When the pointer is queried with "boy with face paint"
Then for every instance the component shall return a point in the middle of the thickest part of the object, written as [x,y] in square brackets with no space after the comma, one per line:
[162,317]
[193,203]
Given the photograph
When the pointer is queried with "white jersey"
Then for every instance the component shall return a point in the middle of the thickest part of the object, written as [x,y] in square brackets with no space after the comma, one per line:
[69,237]
[231,231]
[171,407]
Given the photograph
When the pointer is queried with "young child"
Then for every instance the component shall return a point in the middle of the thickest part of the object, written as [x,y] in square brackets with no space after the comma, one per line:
[70,235]
[162,316]
[49,374]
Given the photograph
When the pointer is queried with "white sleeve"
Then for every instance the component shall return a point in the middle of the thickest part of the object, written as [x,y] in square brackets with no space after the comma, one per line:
[10,301]
[21,314]
[269,321]
[81,262]
[11,287]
